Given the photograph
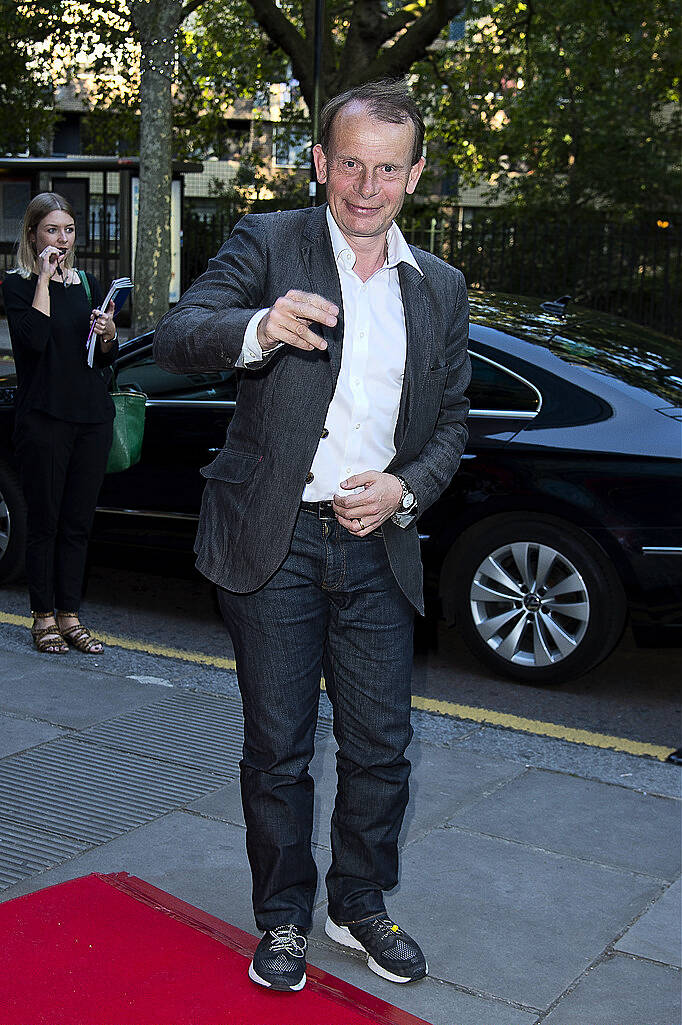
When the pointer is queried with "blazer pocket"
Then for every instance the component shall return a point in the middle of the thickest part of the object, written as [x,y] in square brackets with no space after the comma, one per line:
[231,466]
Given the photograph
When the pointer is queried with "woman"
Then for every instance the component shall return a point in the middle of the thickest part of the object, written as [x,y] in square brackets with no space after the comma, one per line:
[64,415]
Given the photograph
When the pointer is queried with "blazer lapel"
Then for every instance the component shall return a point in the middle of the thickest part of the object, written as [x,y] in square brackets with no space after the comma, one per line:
[318,257]
[419,344]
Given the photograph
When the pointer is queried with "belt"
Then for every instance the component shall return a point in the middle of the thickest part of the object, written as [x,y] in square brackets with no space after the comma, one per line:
[323,510]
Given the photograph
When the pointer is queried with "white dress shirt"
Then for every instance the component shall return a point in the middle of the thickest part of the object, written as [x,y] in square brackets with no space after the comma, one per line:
[363,412]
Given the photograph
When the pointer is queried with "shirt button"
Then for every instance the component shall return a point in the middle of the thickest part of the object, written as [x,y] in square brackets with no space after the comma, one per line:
[362,334]
[325,433]
[310,478]
[357,427]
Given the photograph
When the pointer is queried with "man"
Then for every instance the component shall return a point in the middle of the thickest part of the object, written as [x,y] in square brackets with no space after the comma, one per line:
[349,423]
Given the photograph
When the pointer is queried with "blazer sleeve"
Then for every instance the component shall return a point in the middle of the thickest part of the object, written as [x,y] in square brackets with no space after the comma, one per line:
[432,470]
[205,330]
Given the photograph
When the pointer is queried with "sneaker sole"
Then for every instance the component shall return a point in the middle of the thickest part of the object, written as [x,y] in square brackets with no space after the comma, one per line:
[283,988]
[342,934]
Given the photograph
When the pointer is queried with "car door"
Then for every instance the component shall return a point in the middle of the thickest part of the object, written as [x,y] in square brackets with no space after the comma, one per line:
[186,419]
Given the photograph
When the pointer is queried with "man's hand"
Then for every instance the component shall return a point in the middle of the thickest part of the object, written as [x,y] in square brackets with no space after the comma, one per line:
[289,319]
[363,512]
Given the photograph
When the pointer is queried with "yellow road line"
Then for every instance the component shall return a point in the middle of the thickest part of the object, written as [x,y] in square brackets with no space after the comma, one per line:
[143,646]
[469,712]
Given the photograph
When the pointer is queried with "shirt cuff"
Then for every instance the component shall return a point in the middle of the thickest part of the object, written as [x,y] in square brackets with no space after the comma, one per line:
[251,351]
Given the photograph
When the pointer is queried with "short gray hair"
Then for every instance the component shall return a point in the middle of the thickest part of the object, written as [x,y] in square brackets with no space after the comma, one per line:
[386,100]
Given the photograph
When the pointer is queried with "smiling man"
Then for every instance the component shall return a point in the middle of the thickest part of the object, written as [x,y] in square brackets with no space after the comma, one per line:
[349,423]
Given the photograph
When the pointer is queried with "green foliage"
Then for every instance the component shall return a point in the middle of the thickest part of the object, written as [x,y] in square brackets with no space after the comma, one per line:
[566,104]
[26,74]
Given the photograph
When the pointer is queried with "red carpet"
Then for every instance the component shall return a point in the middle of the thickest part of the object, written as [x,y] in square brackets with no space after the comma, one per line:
[113,950]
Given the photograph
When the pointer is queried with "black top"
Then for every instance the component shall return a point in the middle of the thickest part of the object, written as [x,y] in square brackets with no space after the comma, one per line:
[50,352]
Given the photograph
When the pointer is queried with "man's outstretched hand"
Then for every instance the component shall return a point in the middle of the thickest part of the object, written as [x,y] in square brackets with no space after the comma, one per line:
[288,321]
[363,512]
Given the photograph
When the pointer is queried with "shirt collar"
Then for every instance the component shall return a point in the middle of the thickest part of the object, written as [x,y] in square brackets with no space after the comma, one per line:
[398,249]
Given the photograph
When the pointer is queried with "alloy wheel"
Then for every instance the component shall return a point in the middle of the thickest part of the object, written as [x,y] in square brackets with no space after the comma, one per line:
[529,604]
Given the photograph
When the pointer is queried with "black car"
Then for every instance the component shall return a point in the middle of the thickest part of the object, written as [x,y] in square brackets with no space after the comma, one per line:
[565,516]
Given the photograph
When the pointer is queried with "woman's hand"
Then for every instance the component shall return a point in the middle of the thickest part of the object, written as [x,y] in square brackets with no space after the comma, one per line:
[50,262]
[104,323]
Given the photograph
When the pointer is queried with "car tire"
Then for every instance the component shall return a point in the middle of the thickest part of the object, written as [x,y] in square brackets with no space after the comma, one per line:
[12,524]
[536,599]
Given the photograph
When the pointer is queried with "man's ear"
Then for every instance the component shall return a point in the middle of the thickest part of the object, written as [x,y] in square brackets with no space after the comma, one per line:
[415,175]
[320,164]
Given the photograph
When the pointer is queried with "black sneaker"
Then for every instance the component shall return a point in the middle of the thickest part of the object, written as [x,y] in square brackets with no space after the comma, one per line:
[391,953]
[279,959]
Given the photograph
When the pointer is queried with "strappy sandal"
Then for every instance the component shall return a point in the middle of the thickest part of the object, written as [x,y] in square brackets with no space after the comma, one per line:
[80,638]
[49,640]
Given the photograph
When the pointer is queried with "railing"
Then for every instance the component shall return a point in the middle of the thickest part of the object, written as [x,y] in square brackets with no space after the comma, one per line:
[631,271]
[628,270]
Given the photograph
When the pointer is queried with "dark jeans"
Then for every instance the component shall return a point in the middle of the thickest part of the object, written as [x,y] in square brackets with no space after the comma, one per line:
[62,468]
[333,605]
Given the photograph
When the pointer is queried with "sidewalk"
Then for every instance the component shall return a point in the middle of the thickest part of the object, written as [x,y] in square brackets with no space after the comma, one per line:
[542,877]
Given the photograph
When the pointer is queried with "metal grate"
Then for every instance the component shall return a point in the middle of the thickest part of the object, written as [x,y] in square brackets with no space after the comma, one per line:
[60,798]
[89,792]
[25,852]
[201,730]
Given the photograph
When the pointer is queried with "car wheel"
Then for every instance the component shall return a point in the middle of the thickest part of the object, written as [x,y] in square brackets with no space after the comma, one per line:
[536,599]
[12,524]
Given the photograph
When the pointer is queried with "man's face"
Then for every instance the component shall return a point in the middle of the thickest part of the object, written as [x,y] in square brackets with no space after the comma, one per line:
[368,170]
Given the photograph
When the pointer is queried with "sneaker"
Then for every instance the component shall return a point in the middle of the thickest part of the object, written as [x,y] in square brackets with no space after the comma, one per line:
[279,959]
[391,953]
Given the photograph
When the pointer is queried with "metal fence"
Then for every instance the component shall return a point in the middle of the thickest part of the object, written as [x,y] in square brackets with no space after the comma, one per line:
[629,270]
[99,252]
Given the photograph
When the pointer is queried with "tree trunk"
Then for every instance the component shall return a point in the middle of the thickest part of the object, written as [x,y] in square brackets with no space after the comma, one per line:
[157,21]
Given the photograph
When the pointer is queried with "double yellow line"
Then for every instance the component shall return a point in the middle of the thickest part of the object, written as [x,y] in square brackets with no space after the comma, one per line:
[468,712]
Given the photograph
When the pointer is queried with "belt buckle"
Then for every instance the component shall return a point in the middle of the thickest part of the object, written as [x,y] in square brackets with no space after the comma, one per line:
[325,511]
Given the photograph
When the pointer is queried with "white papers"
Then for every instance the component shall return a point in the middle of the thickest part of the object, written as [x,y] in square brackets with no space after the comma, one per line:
[119,290]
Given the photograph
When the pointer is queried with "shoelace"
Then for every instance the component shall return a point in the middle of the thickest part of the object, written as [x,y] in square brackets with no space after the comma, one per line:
[388,927]
[285,937]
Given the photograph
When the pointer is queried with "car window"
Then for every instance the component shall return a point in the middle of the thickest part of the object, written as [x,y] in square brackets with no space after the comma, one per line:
[144,374]
[496,389]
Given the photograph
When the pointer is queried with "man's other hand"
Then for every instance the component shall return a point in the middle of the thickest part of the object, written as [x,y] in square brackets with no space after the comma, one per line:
[363,512]
[288,321]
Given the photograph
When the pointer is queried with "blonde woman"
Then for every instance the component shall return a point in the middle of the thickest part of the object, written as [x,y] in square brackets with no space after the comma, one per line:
[64,415]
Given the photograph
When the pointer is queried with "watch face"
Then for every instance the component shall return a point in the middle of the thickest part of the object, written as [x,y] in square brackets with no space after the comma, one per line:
[408,500]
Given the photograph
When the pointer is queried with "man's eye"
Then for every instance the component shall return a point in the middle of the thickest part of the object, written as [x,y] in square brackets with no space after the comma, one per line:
[389,168]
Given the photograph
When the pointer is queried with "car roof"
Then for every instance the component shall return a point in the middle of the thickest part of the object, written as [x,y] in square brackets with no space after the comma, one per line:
[626,353]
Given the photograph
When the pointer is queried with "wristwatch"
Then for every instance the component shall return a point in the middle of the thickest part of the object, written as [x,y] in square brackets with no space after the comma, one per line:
[408,500]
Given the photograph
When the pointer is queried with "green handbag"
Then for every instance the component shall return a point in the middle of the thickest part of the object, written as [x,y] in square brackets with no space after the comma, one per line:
[126,446]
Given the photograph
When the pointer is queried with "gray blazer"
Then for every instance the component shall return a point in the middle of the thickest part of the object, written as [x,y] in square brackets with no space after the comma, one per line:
[254,486]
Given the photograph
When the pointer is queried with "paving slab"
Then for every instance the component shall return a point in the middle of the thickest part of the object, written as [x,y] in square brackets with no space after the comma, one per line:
[595,821]
[439,1003]
[510,920]
[657,934]
[622,991]
[17,734]
[444,779]
[633,771]
[66,696]
[199,860]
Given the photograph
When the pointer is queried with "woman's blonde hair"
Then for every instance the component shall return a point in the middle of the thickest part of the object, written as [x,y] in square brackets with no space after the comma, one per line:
[40,206]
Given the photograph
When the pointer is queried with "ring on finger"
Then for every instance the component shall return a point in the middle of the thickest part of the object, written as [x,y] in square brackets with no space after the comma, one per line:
[360,521]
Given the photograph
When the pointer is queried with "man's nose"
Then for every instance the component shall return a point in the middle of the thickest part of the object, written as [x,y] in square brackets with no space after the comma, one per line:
[367,186]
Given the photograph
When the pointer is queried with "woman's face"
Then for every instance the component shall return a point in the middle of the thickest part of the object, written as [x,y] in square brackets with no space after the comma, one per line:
[56,229]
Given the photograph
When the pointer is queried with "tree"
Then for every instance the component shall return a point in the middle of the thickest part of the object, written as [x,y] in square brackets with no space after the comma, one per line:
[361,40]
[369,39]
[569,105]
[26,74]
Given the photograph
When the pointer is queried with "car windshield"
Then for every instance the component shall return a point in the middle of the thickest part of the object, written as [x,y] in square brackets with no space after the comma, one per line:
[633,354]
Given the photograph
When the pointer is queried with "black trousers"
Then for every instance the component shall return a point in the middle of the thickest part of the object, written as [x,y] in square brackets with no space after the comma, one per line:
[62,466]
